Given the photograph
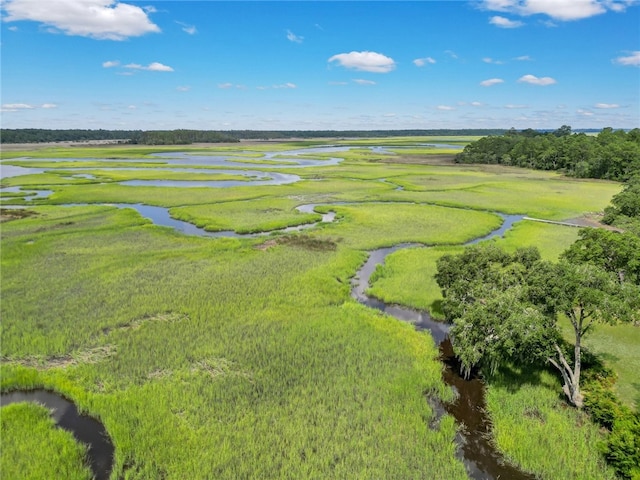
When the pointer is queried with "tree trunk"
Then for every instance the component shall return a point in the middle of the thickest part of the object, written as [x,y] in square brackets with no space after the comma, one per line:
[570,378]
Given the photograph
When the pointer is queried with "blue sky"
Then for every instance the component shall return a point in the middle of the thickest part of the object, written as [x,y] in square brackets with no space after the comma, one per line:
[320,64]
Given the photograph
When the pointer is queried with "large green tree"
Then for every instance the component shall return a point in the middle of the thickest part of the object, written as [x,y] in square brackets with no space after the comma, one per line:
[506,307]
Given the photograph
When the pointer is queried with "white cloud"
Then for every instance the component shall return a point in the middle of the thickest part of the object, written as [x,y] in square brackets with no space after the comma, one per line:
[48,105]
[365,61]
[152,67]
[563,10]
[184,88]
[338,83]
[503,22]
[421,62]
[14,107]
[190,29]
[99,19]
[523,58]
[286,85]
[225,85]
[292,37]
[477,104]
[629,60]
[452,54]
[361,81]
[492,61]
[512,106]
[492,81]
[585,113]
[445,108]
[533,80]
[110,63]
[606,105]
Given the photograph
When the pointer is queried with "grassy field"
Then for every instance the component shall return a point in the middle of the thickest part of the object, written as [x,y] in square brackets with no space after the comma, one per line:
[247,358]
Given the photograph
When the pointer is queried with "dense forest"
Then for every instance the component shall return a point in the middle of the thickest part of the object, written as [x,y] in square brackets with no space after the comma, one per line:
[184,137]
[613,155]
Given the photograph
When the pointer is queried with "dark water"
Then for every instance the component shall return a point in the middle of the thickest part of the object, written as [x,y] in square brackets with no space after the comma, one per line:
[85,429]
[475,445]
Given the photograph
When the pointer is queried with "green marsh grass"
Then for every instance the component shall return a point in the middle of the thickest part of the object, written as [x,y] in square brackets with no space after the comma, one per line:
[240,383]
[213,358]
[33,447]
[374,225]
[539,431]
[246,216]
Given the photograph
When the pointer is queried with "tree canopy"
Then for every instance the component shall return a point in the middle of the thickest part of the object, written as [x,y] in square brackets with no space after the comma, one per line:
[613,155]
[505,307]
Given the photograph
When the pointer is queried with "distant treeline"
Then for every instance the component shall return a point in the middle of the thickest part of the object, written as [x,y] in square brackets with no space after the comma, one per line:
[38,135]
[611,154]
[184,137]
[180,137]
[151,137]
[276,134]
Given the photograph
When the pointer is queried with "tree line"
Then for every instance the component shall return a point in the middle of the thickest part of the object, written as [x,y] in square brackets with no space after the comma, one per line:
[611,154]
[184,137]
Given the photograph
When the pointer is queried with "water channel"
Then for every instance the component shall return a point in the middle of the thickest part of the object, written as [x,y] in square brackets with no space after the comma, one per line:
[475,445]
[476,448]
[85,429]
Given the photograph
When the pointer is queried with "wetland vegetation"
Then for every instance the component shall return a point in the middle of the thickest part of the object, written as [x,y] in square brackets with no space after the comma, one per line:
[247,357]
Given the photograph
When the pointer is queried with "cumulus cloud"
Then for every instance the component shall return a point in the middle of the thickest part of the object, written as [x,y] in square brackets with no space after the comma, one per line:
[292,37]
[365,61]
[629,60]
[110,63]
[503,22]
[585,113]
[477,104]
[361,81]
[563,10]
[606,105]
[99,19]
[491,81]
[533,80]
[152,67]
[421,62]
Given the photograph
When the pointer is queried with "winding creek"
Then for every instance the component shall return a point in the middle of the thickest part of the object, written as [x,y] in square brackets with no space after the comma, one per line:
[85,429]
[475,447]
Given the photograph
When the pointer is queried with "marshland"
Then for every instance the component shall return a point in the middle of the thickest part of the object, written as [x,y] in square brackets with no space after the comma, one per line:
[246,354]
